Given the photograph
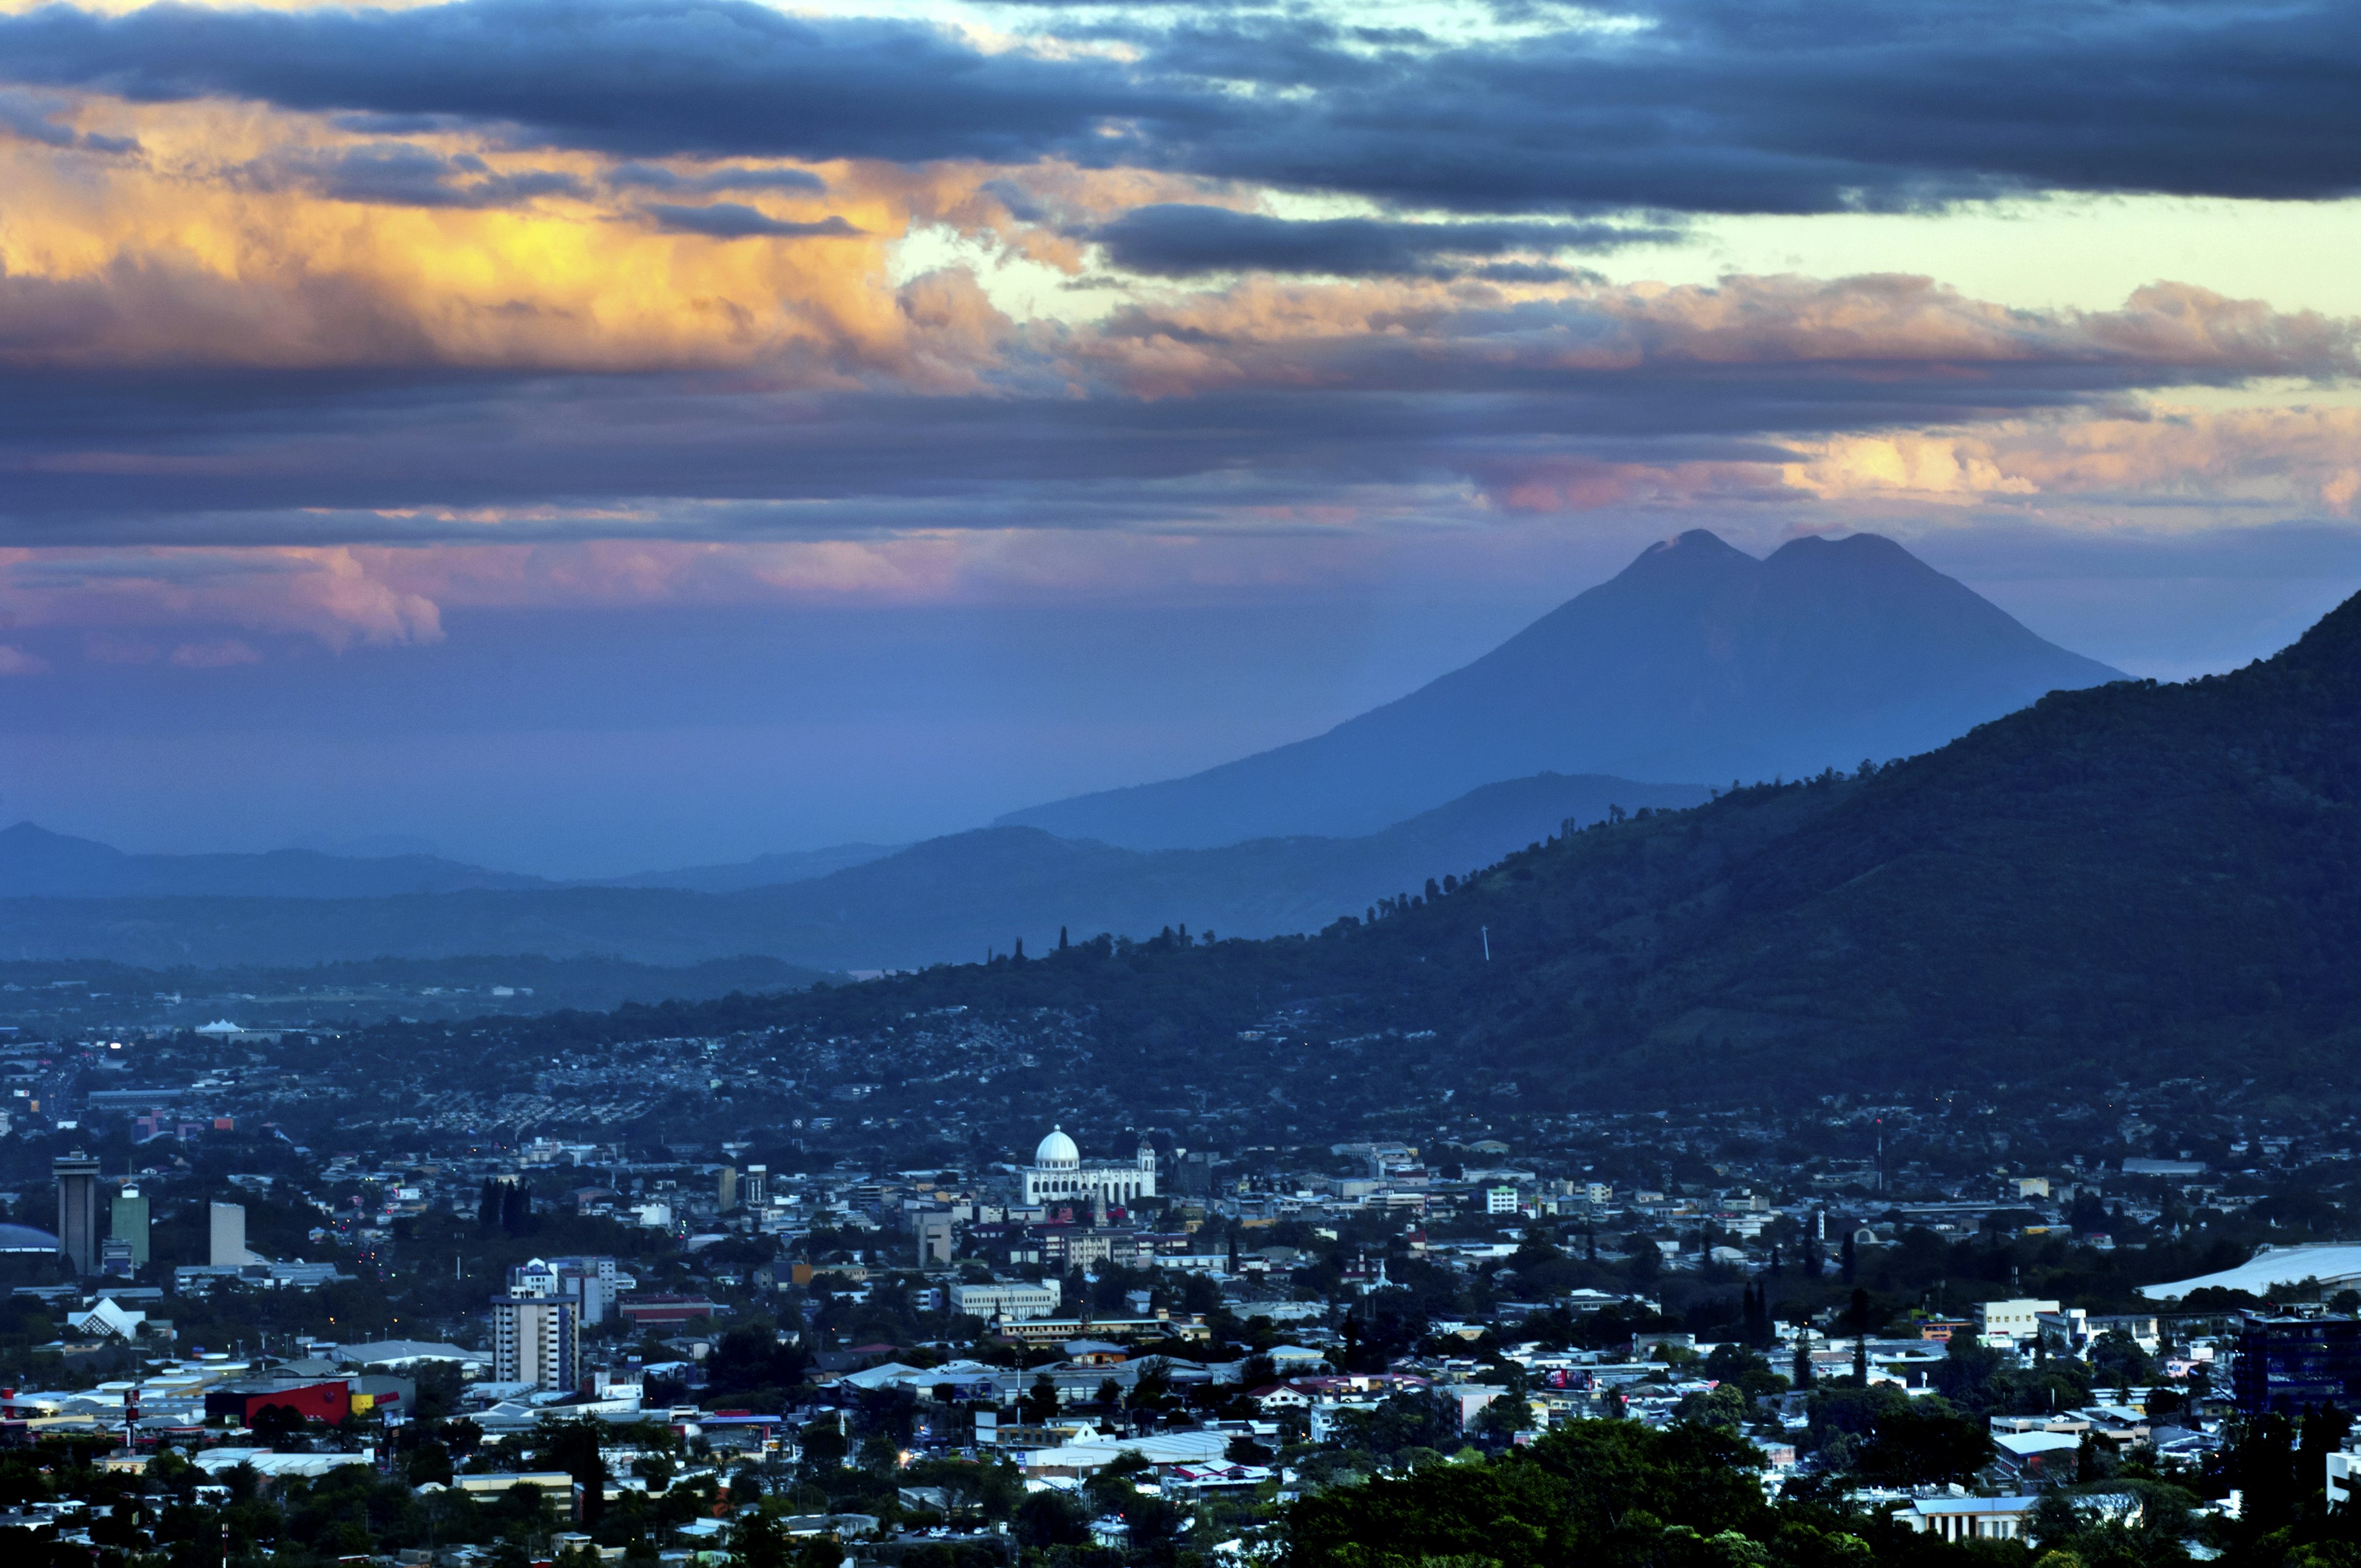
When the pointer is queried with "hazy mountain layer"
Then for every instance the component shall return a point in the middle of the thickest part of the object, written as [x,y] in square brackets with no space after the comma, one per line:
[1699,662]
[38,863]
[2134,882]
[762,870]
[946,900]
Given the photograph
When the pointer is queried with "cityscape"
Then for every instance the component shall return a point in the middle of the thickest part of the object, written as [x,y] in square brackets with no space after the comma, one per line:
[584,1310]
[1180,784]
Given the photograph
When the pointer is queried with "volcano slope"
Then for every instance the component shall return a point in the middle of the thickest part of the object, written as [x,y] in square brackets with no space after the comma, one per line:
[2128,883]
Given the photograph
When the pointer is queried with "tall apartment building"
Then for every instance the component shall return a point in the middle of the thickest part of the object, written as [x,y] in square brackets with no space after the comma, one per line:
[725,1187]
[536,1338]
[754,1188]
[590,1283]
[78,1236]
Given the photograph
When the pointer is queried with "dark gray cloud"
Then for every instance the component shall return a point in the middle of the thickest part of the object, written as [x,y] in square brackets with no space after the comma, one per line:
[735,220]
[1526,272]
[238,459]
[636,77]
[24,118]
[714,182]
[254,457]
[1176,240]
[396,174]
[1708,106]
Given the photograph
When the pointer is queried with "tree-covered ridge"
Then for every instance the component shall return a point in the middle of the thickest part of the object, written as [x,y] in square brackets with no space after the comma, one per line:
[2121,880]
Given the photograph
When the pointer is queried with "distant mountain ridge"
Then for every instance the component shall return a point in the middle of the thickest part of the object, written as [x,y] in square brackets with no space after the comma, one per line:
[948,899]
[38,863]
[1697,662]
[762,870]
[2136,883]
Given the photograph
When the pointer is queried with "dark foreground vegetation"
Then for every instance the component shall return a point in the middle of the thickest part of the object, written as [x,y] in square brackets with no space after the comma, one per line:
[1614,1493]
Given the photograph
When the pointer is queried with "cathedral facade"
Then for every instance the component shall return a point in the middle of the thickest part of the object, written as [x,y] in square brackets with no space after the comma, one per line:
[1058,1174]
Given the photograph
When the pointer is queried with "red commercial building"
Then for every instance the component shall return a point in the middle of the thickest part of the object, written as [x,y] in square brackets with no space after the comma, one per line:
[666,1311]
[330,1401]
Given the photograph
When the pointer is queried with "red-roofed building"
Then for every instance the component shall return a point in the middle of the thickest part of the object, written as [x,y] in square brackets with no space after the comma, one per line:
[666,1311]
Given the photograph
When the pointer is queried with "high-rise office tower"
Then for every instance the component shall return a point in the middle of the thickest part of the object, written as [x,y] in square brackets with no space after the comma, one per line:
[932,1229]
[129,1222]
[78,1236]
[228,1236]
[754,1186]
[725,1187]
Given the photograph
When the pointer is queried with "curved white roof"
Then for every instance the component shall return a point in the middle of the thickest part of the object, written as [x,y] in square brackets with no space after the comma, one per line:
[1056,1150]
[2274,1266]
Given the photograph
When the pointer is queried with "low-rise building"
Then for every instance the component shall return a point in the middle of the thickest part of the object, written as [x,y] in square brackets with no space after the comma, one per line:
[1968,1518]
[2016,1321]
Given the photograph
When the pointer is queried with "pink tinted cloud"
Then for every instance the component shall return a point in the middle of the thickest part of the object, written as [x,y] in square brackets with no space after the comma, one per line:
[2299,458]
[1416,334]
[332,595]
[217,655]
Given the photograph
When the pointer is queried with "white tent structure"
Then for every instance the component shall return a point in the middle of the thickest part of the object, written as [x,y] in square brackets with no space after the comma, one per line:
[2335,1267]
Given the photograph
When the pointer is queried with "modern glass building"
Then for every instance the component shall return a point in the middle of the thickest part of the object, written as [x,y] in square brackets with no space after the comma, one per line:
[2290,1364]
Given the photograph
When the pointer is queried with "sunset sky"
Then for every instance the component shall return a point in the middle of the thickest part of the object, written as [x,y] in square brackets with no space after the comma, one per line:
[594,436]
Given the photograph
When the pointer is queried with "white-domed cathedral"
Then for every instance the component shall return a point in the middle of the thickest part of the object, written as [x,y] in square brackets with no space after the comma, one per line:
[1059,1174]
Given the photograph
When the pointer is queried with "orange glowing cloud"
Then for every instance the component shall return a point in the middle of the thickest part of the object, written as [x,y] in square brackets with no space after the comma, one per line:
[236,236]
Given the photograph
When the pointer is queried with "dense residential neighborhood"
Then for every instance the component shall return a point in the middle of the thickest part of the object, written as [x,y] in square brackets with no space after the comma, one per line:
[736,1295]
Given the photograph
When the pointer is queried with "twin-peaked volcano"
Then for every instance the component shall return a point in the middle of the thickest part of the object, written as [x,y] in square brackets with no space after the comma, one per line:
[1697,662]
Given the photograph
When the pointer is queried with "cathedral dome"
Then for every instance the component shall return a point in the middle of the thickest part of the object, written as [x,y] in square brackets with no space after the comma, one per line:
[1057,1152]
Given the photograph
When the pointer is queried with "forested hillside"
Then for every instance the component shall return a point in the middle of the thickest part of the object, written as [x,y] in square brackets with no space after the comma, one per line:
[2134,879]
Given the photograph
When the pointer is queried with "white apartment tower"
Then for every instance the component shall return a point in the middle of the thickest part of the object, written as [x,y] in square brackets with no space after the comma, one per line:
[536,1330]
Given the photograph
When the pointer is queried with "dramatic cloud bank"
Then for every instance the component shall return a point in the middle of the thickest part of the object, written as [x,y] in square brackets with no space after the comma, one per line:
[312,319]
[1712,106]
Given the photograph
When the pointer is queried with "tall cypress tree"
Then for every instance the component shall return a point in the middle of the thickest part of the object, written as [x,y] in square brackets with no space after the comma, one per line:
[1859,1316]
